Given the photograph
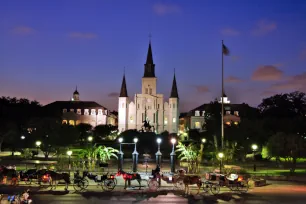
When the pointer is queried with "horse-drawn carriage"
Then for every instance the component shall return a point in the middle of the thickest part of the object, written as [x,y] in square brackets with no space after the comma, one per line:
[106,181]
[213,182]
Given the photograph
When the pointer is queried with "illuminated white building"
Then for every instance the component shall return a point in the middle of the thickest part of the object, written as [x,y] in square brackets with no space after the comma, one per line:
[149,105]
[74,112]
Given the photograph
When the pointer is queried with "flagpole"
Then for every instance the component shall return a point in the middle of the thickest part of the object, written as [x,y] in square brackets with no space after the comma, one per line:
[222,109]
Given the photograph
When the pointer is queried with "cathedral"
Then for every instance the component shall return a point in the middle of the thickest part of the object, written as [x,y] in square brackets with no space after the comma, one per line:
[149,106]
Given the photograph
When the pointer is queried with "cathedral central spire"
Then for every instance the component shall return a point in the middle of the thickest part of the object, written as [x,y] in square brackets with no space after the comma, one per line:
[149,65]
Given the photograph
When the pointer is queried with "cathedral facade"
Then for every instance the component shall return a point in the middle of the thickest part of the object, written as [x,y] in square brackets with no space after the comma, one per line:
[148,105]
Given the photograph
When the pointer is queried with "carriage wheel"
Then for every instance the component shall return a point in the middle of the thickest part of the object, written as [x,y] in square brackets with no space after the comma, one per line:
[80,185]
[153,185]
[206,186]
[215,189]
[109,185]
[243,186]
[179,184]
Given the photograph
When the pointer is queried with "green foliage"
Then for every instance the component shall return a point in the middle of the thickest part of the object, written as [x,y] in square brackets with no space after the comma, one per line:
[189,154]
[105,153]
[103,131]
[26,154]
[265,153]
[288,146]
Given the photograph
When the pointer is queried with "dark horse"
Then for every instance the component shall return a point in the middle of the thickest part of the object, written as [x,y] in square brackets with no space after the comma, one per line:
[128,177]
[55,177]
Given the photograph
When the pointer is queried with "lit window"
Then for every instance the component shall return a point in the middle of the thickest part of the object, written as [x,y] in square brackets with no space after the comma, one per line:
[71,110]
[166,121]
[228,112]
[64,122]
[197,125]
[236,113]
[228,123]
[71,122]
[197,113]
[157,106]
[86,112]
[174,120]
[100,112]
[131,119]
[79,111]
[93,112]
[77,122]
[236,123]
[64,110]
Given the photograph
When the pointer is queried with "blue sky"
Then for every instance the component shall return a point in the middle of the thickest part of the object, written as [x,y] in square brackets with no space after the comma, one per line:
[49,47]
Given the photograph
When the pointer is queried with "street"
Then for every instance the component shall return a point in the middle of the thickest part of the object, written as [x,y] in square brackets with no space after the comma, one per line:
[274,192]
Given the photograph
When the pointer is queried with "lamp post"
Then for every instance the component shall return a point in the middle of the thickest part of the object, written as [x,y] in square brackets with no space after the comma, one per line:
[158,153]
[135,156]
[69,153]
[38,143]
[90,138]
[220,155]
[172,156]
[254,148]
[200,158]
[120,154]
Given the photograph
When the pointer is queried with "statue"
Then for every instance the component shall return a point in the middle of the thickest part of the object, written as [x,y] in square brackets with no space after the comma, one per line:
[146,125]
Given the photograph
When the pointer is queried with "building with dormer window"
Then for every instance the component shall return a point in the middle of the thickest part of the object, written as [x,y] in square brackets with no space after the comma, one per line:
[75,111]
[195,119]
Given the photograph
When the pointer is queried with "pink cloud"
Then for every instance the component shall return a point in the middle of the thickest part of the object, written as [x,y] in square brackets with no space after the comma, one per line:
[230,32]
[23,30]
[294,83]
[264,27]
[202,89]
[83,35]
[233,79]
[163,9]
[267,73]
[268,93]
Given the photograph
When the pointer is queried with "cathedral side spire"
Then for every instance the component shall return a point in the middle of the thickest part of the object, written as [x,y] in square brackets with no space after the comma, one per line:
[174,93]
[123,91]
[149,65]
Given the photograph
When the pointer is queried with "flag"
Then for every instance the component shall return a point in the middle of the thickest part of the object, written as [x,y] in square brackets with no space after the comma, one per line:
[225,51]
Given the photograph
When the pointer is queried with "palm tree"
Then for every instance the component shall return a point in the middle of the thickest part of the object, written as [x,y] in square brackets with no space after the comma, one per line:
[188,153]
[105,153]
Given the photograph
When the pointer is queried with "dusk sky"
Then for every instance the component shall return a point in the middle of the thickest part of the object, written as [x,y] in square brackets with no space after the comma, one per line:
[48,47]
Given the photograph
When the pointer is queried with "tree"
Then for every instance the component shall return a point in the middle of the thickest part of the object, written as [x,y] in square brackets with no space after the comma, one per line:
[105,153]
[102,131]
[189,154]
[8,131]
[84,130]
[287,146]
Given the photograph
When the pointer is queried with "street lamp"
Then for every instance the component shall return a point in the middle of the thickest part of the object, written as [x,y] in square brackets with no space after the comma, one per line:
[22,137]
[200,157]
[120,161]
[158,153]
[172,156]
[254,148]
[203,140]
[38,143]
[90,138]
[220,155]
[69,153]
[135,156]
